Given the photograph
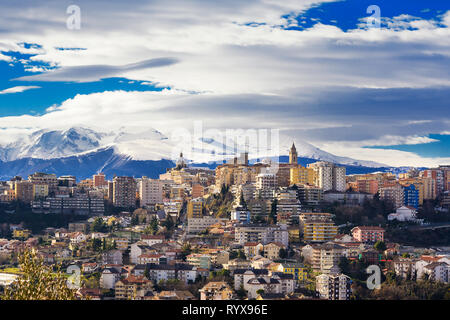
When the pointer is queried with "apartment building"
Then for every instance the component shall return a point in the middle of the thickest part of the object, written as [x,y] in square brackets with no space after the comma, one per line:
[368,234]
[261,233]
[395,194]
[317,227]
[150,191]
[334,286]
[328,176]
[195,225]
[124,192]
[195,208]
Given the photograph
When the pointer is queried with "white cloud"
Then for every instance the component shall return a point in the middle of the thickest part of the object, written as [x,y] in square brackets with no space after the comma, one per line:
[240,70]
[18,89]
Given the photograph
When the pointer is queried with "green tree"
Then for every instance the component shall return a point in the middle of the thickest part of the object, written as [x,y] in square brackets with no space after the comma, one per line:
[96,244]
[283,253]
[38,281]
[98,225]
[273,212]
[380,246]
[241,293]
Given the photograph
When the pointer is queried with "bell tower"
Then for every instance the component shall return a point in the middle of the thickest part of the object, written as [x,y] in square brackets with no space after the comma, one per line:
[293,156]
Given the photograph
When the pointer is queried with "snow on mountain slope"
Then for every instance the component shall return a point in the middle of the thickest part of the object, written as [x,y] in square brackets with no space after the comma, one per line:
[46,144]
[149,144]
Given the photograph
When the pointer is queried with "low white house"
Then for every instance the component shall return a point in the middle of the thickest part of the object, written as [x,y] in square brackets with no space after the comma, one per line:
[405,214]
[109,278]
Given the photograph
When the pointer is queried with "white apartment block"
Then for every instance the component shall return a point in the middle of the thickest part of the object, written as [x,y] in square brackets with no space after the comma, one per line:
[196,225]
[150,191]
[329,176]
[333,286]
[262,233]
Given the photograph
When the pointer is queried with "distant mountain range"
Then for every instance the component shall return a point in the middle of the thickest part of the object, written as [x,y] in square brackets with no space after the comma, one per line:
[83,152]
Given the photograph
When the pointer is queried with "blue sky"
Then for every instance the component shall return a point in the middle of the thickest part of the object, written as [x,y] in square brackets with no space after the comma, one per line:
[308,68]
[36,101]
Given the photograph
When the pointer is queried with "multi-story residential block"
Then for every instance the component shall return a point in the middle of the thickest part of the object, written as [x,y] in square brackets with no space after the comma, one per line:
[124,192]
[309,194]
[99,180]
[240,214]
[438,177]
[288,205]
[329,176]
[150,191]
[112,257]
[348,198]
[24,191]
[368,234]
[297,270]
[198,191]
[317,227]
[395,194]
[195,208]
[263,233]
[127,289]
[266,184]
[202,261]
[40,191]
[334,286]
[217,290]
[405,267]
[326,256]
[411,196]
[41,178]
[367,185]
[195,225]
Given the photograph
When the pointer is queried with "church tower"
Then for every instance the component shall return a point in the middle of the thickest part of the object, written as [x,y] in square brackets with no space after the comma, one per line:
[293,157]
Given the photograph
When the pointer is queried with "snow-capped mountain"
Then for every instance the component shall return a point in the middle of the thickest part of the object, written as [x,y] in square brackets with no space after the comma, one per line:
[44,144]
[143,144]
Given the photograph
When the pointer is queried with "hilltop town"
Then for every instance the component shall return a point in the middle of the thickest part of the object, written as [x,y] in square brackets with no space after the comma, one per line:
[264,231]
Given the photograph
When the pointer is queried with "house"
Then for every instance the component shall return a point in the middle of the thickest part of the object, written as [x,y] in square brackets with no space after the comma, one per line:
[174,295]
[89,267]
[405,213]
[127,289]
[438,271]
[252,249]
[259,262]
[297,270]
[109,277]
[217,290]
[88,293]
[77,237]
[334,286]
[287,281]
[405,267]
[121,243]
[234,264]
[112,257]
[272,250]
[265,283]
[344,238]
[242,276]
[151,258]
[368,234]
[152,239]
[138,249]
